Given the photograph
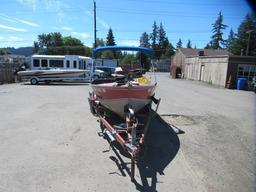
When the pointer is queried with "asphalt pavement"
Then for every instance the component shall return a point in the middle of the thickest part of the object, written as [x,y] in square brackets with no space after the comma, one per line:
[49,141]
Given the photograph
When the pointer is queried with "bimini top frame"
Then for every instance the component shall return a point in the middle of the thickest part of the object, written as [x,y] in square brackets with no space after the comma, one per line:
[145,50]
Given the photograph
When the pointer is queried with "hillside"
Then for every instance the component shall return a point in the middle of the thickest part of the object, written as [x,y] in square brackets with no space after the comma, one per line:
[27,51]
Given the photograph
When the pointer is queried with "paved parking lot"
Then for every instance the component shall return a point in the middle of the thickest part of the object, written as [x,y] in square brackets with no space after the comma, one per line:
[49,141]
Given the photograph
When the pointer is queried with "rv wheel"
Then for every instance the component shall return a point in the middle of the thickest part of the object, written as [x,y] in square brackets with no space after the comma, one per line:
[33,81]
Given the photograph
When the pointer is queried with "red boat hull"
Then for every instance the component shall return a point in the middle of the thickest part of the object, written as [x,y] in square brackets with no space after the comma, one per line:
[115,98]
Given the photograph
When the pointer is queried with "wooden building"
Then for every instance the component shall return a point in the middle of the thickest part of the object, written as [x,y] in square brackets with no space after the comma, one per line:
[218,67]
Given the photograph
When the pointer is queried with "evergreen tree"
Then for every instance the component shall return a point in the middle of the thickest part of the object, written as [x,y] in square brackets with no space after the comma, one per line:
[110,38]
[154,37]
[208,46]
[163,41]
[230,39]
[189,45]
[169,51]
[100,42]
[179,44]
[144,40]
[218,27]
[246,36]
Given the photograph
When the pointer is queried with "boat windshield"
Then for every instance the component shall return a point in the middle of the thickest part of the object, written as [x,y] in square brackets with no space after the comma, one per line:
[132,64]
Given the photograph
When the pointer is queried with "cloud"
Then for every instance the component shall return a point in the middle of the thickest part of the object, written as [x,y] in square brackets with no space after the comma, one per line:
[8,19]
[66,28]
[82,35]
[27,23]
[13,19]
[57,6]
[103,23]
[30,3]
[10,38]
[129,43]
[12,28]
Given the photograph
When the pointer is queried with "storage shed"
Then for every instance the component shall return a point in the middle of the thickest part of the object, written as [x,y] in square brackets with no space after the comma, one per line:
[218,67]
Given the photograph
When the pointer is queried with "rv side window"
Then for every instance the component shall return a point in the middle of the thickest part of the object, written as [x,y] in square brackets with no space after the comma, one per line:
[36,63]
[74,64]
[56,63]
[80,65]
[44,63]
[68,64]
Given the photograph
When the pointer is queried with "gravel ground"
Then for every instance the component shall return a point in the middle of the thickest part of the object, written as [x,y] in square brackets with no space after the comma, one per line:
[49,141]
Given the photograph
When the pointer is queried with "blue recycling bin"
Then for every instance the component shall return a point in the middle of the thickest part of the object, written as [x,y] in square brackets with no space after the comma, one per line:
[241,83]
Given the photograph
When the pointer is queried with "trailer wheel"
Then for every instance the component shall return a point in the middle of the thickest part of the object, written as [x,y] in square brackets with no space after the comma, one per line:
[34,81]
[95,77]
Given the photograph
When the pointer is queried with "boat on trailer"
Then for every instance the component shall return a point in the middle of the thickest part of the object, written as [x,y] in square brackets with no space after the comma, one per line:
[123,105]
[53,73]
[48,75]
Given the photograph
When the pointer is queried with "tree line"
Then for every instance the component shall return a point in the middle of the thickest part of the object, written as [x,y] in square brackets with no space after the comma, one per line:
[56,44]
[243,42]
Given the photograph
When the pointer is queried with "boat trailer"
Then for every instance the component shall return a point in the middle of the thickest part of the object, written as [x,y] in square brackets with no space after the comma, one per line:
[130,132]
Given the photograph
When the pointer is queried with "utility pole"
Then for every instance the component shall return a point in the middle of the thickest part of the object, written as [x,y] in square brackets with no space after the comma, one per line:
[95,29]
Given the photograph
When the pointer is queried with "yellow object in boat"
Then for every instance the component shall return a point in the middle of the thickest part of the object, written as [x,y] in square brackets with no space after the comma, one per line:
[142,80]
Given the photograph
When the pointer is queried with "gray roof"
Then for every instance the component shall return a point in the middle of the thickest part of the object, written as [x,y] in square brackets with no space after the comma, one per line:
[207,52]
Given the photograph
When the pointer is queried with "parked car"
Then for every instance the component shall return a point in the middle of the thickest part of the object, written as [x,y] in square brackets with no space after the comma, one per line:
[105,72]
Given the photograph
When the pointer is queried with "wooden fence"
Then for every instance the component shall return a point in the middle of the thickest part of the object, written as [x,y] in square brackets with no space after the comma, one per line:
[6,72]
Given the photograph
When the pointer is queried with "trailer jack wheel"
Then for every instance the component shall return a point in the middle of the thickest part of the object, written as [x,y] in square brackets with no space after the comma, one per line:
[34,81]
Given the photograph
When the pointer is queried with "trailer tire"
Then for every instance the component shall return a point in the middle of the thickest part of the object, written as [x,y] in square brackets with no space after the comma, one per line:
[34,81]
[95,77]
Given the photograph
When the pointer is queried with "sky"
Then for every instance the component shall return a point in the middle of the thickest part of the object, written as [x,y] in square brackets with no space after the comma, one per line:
[21,21]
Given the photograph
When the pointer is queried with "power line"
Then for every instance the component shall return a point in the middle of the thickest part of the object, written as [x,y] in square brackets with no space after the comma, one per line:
[123,11]
[148,11]
[231,4]
[153,13]
[187,3]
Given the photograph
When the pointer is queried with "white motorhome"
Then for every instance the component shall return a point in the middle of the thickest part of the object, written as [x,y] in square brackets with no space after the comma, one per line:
[48,68]
[41,62]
